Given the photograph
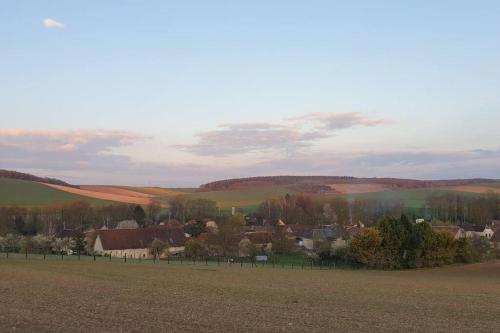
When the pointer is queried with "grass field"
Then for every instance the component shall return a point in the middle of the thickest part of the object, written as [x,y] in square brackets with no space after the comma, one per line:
[55,296]
[247,198]
[27,194]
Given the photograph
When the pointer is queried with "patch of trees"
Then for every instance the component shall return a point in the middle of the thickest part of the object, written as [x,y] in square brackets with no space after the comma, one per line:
[464,209]
[304,209]
[76,215]
[40,244]
[398,243]
[25,176]
[184,209]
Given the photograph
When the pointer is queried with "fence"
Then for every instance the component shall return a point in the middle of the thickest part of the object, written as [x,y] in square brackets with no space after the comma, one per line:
[208,261]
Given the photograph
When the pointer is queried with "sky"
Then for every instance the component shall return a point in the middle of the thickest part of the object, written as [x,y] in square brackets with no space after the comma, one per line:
[179,93]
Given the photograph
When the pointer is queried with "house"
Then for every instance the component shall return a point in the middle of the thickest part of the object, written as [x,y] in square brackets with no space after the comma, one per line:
[303,235]
[309,236]
[495,240]
[262,240]
[355,229]
[172,223]
[478,231]
[454,231]
[334,234]
[135,243]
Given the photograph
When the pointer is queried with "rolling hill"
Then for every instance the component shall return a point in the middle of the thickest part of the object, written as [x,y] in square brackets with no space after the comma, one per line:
[246,193]
[28,193]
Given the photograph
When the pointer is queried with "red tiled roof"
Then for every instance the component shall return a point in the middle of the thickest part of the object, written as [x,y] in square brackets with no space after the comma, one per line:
[119,239]
[451,230]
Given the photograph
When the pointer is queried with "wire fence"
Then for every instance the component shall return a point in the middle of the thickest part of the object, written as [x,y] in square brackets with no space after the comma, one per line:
[241,262]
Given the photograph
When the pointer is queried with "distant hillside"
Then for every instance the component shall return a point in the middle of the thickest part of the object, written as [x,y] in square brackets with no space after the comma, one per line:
[322,183]
[26,176]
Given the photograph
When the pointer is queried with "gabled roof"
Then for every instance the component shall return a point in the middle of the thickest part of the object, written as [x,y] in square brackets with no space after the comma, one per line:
[120,239]
[451,230]
[475,228]
[301,230]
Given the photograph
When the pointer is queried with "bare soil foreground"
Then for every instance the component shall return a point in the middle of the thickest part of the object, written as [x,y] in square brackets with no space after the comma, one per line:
[72,296]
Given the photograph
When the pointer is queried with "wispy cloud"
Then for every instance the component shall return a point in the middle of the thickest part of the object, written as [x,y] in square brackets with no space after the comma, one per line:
[290,135]
[95,156]
[52,24]
[231,139]
[338,120]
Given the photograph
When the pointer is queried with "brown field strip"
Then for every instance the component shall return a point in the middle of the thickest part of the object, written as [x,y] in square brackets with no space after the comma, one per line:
[115,190]
[102,195]
[474,189]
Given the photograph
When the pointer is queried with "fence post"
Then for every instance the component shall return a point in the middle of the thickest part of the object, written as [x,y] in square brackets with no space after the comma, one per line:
[94,256]
[125,257]
[26,253]
[44,254]
[78,254]
[168,260]
[110,257]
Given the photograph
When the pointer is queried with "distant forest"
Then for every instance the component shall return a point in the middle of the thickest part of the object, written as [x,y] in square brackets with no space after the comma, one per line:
[308,181]
[26,176]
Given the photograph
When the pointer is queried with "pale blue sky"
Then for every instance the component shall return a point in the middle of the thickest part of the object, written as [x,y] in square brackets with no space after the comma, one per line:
[174,71]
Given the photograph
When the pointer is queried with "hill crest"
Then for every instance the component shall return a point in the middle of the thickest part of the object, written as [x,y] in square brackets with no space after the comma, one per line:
[9,174]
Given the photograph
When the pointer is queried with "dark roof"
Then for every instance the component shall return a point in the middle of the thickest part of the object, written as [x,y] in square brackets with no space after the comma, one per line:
[69,233]
[302,231]
[119,239]
[475,228]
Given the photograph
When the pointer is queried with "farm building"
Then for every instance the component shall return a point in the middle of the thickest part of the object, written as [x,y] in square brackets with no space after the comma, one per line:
[478,231]
[136,243]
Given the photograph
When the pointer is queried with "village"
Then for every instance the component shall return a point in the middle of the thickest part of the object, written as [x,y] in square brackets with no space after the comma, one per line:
[172,239]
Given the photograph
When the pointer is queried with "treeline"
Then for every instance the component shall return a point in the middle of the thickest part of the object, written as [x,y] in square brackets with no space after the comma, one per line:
[449,208]
[76,215]
[183,209]
[318,180]
[399,244]
[303,209]
[463,209]
[26,176]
